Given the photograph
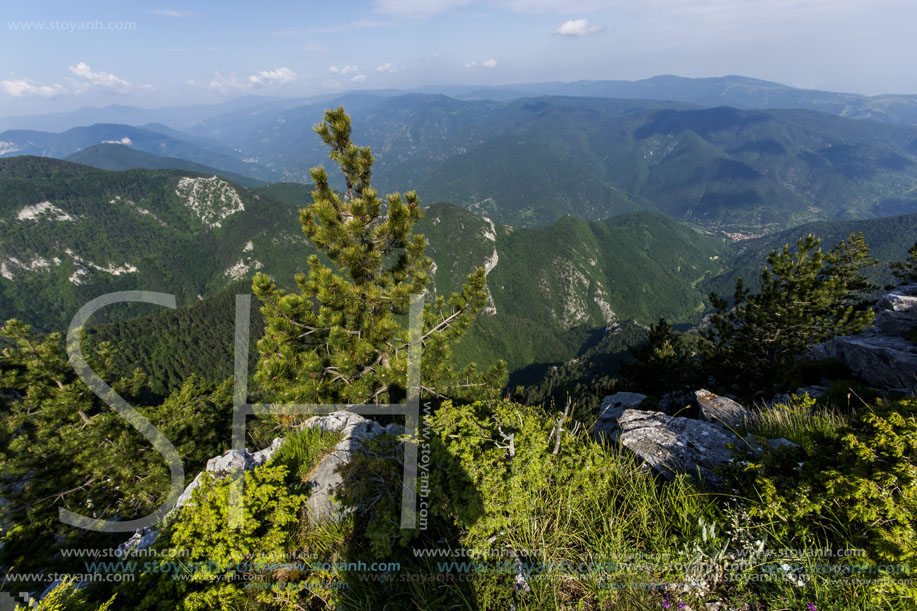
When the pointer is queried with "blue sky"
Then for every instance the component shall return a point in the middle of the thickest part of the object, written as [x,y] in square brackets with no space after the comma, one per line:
[62,55]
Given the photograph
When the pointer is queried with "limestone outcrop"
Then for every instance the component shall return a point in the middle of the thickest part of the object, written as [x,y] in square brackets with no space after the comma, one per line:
[674,444]
[323,482]
[884,355]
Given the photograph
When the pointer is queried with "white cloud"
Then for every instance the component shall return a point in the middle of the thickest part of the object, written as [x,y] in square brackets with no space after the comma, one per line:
[577,27]
[279,76]
[487,63]
[102,80]
[358,78]
[223,84]
[263,78]
[387,67]
[165,12]
[20,88]
[344,69]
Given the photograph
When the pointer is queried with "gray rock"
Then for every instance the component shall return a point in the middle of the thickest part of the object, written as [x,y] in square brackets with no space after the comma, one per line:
[776,444]
[611,409]
[326,478]
[782,398]
[813,391]
[714,408]
[673,444]
[140,540]
[220,467]
[896,312]
[324,481]
[886,362]
[881,355]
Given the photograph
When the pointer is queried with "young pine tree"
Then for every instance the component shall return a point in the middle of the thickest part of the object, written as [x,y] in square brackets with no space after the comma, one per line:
[846,261]
[342,338]
[801,303]
[906,271]
[662,364]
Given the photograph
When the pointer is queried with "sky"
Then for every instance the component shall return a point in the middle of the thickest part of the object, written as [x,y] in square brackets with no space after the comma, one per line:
[59,56]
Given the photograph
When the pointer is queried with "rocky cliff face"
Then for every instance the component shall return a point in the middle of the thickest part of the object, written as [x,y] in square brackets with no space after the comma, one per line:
[884,355]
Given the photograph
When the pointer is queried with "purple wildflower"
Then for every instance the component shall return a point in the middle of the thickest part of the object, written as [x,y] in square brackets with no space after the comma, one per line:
[811,607]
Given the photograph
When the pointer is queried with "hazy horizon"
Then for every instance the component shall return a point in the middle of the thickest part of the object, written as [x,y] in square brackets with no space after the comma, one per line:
[62,57]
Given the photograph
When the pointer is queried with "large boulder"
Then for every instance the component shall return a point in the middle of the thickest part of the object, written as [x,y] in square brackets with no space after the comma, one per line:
[885,354]
[723,410]
[896,312]
[326,478]
[673,444]
[885,362]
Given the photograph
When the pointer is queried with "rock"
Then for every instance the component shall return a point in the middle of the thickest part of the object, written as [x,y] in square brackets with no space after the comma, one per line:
[882,355]
[896,312]
[813,391]
[782,398]
[140,540]
[714,408]
[611,409]
[220,467]
[673,444]
[776,444]
[886,362]
[326,478]
[354,428]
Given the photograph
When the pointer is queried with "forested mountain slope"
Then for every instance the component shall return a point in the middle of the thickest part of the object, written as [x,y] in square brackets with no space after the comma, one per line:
[530,161]
[157,140]
[111,156]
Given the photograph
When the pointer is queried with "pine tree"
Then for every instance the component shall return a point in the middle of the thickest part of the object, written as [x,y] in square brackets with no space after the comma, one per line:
[342,337]
[662,364]
[846,261]
[758,339]
[62,447]
[906,271]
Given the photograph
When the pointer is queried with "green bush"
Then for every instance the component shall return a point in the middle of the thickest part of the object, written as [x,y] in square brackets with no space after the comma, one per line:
[855,487]
[66,596]
[218,563]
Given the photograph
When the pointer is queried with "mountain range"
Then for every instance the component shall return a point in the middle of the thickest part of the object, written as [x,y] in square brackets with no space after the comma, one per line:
[731,90]
[159,140]
[530,161]
[69,233]
[590,205]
